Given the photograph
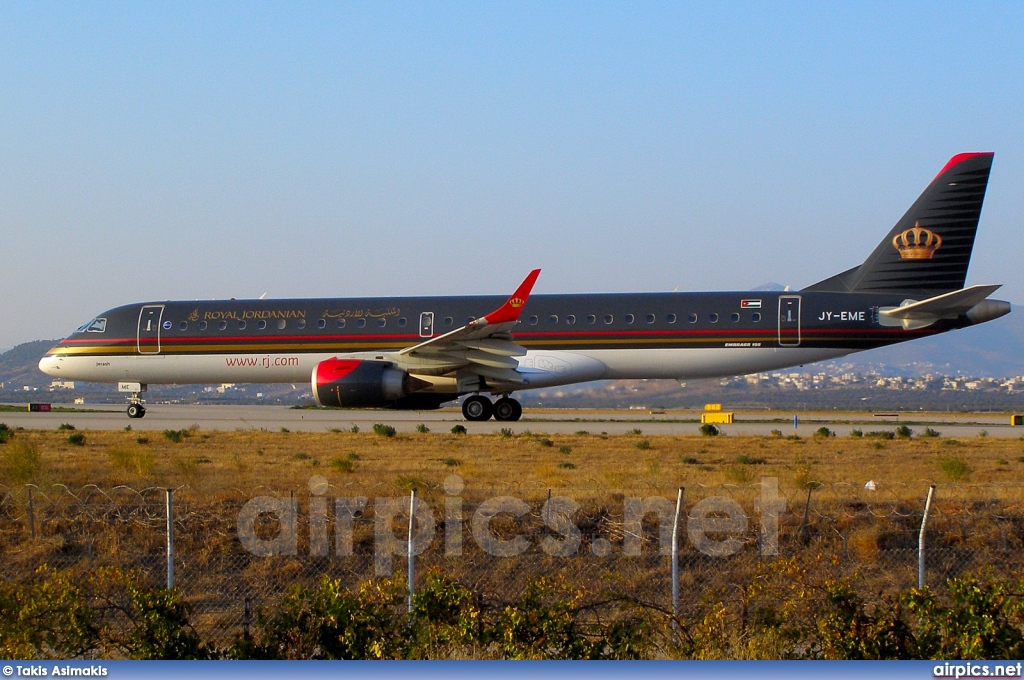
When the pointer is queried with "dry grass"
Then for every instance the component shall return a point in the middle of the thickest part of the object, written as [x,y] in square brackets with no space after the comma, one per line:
[215,462]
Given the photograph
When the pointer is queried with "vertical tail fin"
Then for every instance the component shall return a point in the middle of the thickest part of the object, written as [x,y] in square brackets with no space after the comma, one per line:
[928,251]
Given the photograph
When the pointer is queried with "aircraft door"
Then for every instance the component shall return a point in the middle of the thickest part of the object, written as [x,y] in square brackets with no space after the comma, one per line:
[789,320]
[426,324]
[148,339]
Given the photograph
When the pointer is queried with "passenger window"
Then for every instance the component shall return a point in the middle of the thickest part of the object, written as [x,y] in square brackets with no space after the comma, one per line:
[322,323]
[361,323]
[608,318]
[553,319]
[381,323]
[202,325]
[756,317]
[735,317]
[713,318]
[448,321]
[223,325]
[241,325]
[629,318]
[591,319]
[301,323]
[693,318]
[650,318]
[341,323]
[534,320]
[671,318]
[402,322]
[281,323]
[261,324]
[183,326]
[570,320]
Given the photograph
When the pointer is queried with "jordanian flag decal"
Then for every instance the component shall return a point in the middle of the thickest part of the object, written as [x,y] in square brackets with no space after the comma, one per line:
[750,304]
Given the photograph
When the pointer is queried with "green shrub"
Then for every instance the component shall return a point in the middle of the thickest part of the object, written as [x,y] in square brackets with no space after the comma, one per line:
[881,434]
[451,462]
[345,465]
[690,460]
[354,429]
[65,427]
[459,429]
[76,439]
[929,432]
[176,436]
[565,448]
[566,465]
[857,433]
[744,459]
[903,432]
[6,433]
[546,442]
[636,430]
[383,430]
[20,462]
[776,433]
[955,468]
[709,430]
[824,432]
[643,444]
[422,429]
[506,432]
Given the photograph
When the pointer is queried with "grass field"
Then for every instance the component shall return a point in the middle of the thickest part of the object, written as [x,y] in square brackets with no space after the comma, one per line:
[589,463]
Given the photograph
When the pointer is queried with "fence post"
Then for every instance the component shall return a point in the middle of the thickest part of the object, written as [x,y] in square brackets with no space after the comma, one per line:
[170,539]
[31,514]
[675,565]
[802,531]
[920,537]
[411,553]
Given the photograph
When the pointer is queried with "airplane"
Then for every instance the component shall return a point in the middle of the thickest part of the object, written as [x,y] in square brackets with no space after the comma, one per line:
[421,352]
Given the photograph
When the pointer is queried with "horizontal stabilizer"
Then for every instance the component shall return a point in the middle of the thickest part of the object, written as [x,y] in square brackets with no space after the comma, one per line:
[913,315]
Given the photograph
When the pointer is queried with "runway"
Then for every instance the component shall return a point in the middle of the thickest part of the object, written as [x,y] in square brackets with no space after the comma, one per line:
[563,421]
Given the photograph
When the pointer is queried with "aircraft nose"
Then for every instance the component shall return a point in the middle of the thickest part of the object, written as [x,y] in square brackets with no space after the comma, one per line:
[50,366]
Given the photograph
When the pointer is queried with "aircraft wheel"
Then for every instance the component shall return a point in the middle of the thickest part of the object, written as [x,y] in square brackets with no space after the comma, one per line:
[508,409]
[136,411]
[477,408]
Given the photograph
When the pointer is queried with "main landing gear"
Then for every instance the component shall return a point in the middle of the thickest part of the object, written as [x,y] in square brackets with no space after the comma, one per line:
[478,408]
[135,407]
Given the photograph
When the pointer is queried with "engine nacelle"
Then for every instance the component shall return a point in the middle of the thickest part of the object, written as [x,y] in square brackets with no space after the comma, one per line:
[356,383]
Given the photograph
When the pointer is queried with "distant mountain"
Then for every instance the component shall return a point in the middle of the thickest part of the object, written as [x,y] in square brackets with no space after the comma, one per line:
[20,365]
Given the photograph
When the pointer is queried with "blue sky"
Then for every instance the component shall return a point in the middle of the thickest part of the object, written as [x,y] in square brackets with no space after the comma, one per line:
[158,151]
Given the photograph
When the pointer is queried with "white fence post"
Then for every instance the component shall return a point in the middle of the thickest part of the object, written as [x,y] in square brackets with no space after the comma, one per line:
[675,565]
[170,539]
[410,551]
[920,538]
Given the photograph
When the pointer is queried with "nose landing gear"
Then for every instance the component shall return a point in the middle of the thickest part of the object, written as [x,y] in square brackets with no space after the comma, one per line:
[135,407]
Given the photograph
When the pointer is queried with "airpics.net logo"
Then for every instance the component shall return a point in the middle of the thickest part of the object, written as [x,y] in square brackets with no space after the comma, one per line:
[977,670]
[713,525]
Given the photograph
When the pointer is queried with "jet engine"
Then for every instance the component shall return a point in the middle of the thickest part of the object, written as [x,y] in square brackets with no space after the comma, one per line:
[357,383]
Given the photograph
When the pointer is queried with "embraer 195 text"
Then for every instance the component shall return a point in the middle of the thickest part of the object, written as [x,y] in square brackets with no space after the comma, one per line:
[420,352]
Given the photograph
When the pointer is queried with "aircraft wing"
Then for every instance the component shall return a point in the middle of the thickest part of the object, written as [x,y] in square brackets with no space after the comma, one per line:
[945,306]
[483,346]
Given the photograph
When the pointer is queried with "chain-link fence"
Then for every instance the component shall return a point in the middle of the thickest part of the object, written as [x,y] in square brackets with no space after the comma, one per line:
[237,553]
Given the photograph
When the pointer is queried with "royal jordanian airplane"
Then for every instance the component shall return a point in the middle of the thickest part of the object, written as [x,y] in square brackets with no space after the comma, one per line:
[420,352]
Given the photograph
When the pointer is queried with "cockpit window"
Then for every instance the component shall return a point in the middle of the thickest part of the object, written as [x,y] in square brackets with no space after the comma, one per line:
[94,326]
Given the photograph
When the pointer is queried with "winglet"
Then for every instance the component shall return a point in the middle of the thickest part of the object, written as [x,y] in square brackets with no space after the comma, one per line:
[509,311]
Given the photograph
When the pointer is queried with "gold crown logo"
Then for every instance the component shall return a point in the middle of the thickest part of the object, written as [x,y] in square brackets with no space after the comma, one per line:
[194,316]
[917,243]
[516,302]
